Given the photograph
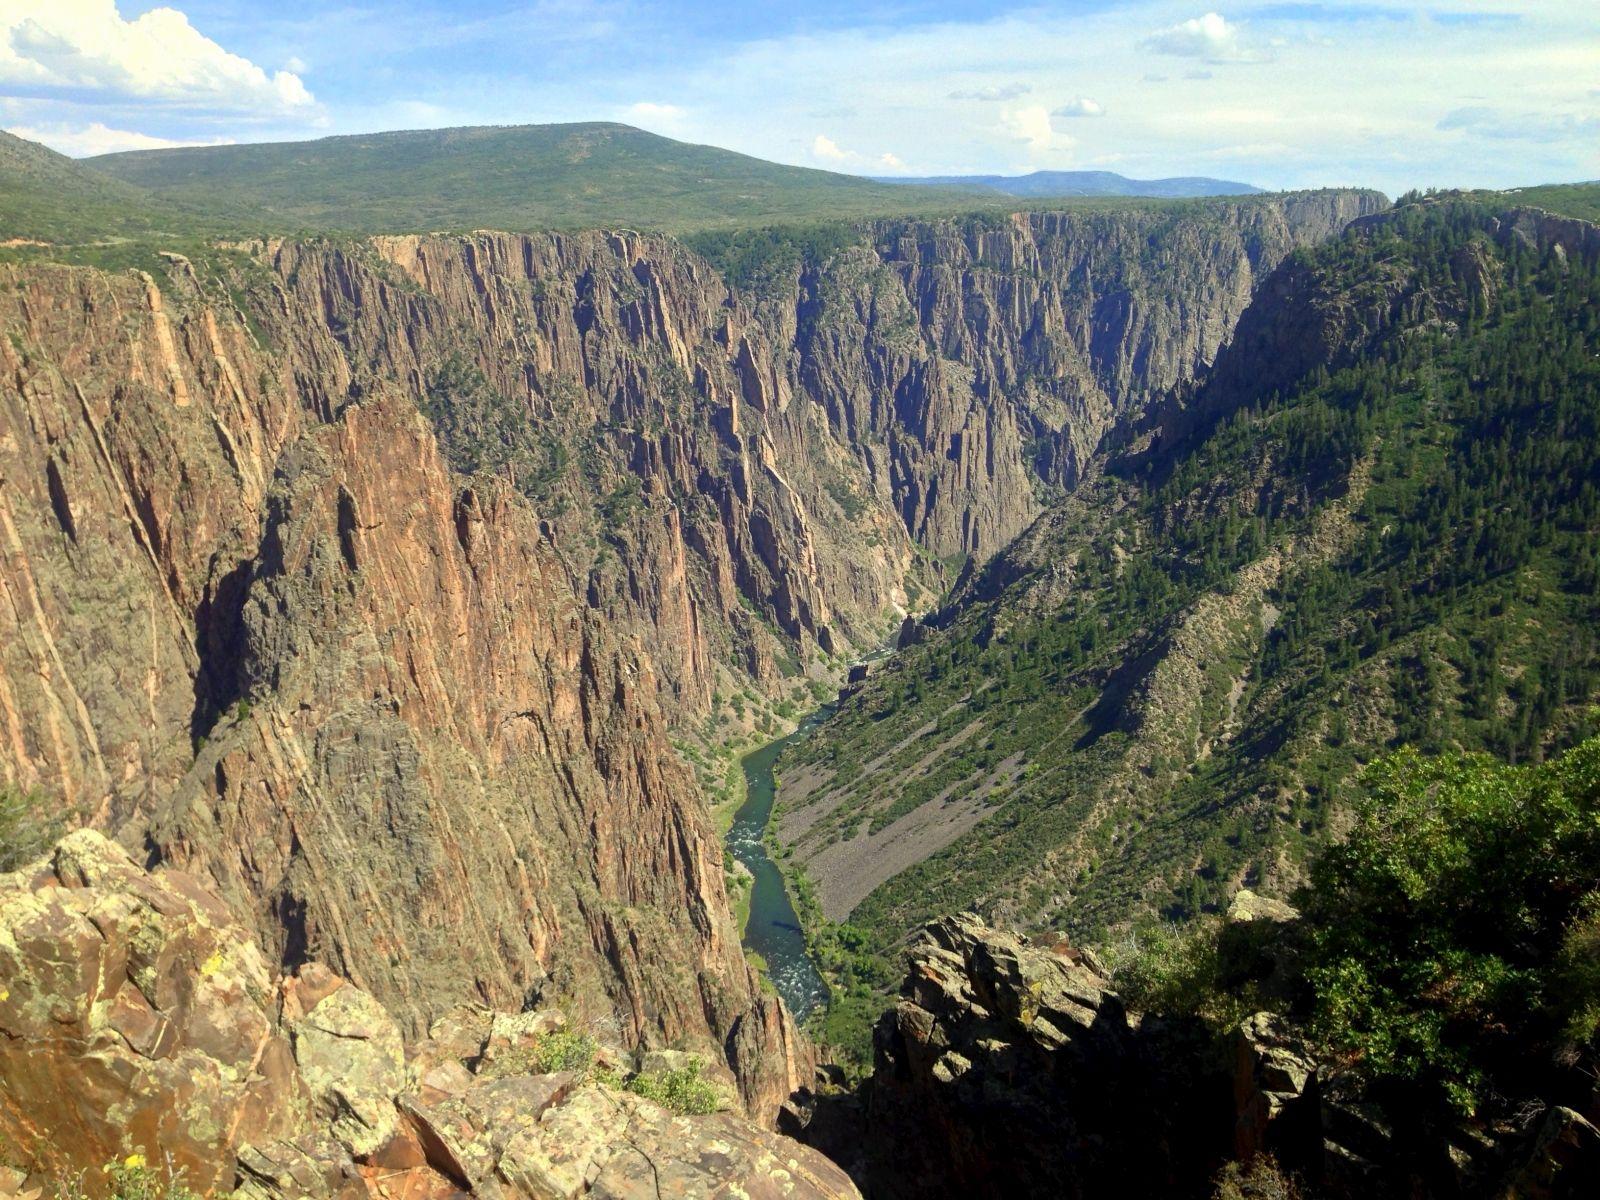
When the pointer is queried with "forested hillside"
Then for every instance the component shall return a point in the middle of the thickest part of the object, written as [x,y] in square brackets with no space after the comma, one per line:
[1374,525]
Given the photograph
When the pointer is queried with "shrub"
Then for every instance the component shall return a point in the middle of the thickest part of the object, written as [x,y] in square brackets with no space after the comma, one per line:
[1452,935]
[559,1050]
[24,834]
[133,1179]
[680,1089]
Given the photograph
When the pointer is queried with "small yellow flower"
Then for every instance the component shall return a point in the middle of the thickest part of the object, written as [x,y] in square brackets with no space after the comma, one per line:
[134,1162]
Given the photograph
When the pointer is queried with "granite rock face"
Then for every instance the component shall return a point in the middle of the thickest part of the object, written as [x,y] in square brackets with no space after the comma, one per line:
[134,1012]
[254,621]
[139,1019]
[370,581]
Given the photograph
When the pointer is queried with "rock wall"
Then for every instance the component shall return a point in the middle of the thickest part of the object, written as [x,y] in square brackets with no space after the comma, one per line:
[253,621]
[369,579]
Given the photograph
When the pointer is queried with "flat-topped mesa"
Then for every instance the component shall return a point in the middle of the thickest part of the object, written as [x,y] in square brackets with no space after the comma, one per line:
[142,1031]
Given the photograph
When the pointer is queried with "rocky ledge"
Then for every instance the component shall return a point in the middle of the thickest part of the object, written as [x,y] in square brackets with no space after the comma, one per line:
[1011,1067]
[139,1018]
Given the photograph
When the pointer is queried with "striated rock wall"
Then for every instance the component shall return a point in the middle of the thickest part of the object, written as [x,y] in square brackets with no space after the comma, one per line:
[368,579]
[253,621]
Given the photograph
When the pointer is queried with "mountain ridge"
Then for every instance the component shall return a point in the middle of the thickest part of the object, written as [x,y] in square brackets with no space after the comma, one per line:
[1047,184]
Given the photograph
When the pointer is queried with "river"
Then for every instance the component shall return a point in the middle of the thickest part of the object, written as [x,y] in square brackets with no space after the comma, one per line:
[774,929]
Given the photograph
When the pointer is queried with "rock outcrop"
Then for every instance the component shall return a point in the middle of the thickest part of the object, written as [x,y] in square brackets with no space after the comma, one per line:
[1010,1068]
[139,1023]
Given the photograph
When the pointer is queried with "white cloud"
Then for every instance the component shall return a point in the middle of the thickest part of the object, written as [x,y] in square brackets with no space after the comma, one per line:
[1003,91]
[1080,106]
[297,65]
[1032,125]
[1210,37]
[825,148]
[97,138]
[80,46]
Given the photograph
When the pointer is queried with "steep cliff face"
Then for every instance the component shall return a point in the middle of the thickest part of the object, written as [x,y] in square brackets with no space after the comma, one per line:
[369,578]
[759,478]
[1367,528]
[990,357]
[262,628]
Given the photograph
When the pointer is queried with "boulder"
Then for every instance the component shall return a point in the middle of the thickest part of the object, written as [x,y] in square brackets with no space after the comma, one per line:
[1275,1093]
[1562,1163]
[135,1016]
[350,1055]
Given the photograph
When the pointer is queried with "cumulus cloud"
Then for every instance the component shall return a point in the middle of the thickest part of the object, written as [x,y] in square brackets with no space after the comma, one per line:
[1080,106]
[1003,91]
[1033,126]
[97,138]
[1210,37]
[825,149]
[85,46]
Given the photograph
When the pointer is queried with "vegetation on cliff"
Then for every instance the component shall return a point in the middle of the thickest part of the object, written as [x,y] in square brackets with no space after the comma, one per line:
[1169,684]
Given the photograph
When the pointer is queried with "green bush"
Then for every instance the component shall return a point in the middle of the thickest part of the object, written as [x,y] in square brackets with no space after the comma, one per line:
[24,833]
[680,1089]
[559,1050]
[133,1179]
[1452,936]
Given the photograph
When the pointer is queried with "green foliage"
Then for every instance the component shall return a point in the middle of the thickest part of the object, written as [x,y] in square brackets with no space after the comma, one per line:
[481,430]
[1424,494]
[132,1178]
[1260,1179]
[1169,968]
[26,831]
[680,1089]
[770,258]
[558,1050]
[517,178]
[1451,933]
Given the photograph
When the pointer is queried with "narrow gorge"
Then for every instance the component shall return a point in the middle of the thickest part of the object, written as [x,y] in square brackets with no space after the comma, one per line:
[418,594]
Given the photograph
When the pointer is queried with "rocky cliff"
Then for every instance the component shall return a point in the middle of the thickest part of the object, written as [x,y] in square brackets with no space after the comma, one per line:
[371,579]
[1364,527]
[254,621]
[145,1040]
[1012,1067]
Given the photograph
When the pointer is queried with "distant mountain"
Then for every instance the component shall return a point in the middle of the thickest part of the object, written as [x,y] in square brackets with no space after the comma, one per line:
[1045,184]
[515,178]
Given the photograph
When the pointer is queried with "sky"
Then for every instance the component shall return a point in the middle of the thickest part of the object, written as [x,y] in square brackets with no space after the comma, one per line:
[1455,93]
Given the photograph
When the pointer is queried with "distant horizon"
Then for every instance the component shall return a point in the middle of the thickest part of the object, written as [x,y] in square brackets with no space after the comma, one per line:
[1285,95]
[867,176]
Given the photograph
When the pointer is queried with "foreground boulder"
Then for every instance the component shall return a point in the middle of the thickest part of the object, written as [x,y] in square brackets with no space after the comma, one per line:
[1009,1069]
[139,1023]
[134,1012]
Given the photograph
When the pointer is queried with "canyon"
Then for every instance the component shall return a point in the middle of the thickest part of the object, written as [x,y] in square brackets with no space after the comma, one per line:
[400,605]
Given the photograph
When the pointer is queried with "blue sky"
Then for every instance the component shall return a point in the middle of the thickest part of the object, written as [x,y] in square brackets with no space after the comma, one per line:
[1452,93]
